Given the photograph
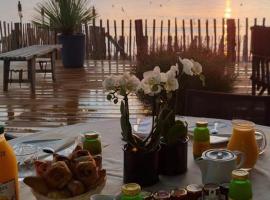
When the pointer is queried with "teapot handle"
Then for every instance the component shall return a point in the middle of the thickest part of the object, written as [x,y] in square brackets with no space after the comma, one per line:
[242,160]
[263,145]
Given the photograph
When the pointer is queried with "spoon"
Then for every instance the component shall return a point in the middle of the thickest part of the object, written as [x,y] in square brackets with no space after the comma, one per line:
[214,131]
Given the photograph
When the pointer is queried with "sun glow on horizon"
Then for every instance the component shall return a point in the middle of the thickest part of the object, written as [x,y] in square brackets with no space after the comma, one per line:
[228,9]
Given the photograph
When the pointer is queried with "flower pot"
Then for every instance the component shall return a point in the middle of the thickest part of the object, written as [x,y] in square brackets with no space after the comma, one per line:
[73,50]
[173,158]
[140,167]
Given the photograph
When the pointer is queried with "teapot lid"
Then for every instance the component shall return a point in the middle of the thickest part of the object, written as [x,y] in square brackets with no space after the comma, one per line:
[219,155]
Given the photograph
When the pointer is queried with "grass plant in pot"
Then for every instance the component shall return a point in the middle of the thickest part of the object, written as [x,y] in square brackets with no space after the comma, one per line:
[140,153]
[174,139]
[65,17]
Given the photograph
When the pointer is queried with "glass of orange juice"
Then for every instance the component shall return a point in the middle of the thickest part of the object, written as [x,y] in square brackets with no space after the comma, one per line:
[243,139]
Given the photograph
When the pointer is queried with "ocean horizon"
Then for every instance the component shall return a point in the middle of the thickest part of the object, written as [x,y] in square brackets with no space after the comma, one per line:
[155,9]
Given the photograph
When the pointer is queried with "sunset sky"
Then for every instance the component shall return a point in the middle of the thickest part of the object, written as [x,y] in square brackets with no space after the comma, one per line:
[160,9]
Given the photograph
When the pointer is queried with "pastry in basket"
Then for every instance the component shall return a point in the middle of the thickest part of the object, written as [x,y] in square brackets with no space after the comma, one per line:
[58,175]
[68,176]
[42,166]
[76,187]
[87,172]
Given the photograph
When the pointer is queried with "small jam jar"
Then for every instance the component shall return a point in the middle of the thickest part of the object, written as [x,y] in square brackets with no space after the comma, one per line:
[92,143]
[162,195]
[194,192]
[179,194]
[211,191]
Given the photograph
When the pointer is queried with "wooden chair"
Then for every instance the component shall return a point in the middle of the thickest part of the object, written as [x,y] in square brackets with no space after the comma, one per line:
[228,106]
[260,49]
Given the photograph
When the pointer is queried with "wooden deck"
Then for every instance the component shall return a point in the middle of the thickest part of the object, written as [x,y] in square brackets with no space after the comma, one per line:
[76,96]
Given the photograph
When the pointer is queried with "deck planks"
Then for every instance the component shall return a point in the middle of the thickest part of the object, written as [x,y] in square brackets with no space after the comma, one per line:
[77,96]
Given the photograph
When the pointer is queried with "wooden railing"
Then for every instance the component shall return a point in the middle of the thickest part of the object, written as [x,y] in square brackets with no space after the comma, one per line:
[126,39]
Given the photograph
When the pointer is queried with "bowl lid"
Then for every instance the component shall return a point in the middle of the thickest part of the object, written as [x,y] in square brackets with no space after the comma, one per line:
[219,155]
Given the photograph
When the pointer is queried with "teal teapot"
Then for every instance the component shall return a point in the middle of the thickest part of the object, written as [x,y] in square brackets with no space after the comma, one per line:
[216,165]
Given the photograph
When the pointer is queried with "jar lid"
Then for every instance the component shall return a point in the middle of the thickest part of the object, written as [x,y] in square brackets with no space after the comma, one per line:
[162,195]
[91,135]
[179,192]
[240,174]
[219,155]
[194,188]
[211,186]
[201,123]
[131,189]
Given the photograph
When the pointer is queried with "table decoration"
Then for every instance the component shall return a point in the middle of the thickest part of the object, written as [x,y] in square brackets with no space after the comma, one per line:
[142,155]
[174,139]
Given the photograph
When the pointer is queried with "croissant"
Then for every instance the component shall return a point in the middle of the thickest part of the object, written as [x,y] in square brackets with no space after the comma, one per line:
[58,175]
[79,153]
[41,167]
[76,187]
[57,157]
[86,172]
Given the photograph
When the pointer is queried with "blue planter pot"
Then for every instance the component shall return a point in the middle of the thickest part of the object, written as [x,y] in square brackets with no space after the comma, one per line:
[73,50]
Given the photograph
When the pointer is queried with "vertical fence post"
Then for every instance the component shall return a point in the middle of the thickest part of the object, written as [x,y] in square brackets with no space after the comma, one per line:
[108,40]
[86,40]
[154,36]
[146,34]
[175,36]
[263,21]
[161,35]
[215,35]
[191,33]
[140,40]
[238,40]
[231,43]
[116,39]
[130,39]
[184,35]
[169,43]
[199,33]
[207,34]
[245,43]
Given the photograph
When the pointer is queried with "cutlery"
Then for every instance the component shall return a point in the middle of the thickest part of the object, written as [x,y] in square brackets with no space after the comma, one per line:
[39,141]
[214,131]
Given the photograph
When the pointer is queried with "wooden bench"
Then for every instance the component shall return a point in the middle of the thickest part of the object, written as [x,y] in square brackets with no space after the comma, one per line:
[30,55]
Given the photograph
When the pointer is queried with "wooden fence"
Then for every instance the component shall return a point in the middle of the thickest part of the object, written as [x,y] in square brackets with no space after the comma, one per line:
[125,39]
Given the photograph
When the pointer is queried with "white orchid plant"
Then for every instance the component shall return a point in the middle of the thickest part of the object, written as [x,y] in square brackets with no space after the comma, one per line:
[161,88]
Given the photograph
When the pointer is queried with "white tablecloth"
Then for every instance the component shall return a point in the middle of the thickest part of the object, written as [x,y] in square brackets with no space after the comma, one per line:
[113,159]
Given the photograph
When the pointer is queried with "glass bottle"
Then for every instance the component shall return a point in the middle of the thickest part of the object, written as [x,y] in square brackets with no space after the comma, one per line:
[9,186]
[240,186]
[92,143]
[201,139]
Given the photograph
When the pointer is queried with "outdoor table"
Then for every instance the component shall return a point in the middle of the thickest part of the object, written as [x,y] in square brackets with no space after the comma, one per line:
[29,54]
[113,158]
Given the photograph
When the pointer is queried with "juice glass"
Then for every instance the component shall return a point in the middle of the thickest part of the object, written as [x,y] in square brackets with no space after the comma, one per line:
[243,140]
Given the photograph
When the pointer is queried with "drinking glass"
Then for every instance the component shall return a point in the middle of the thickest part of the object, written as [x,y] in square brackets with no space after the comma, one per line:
[26,155]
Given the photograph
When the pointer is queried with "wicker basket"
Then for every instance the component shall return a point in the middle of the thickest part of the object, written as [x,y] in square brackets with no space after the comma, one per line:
[85,196]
